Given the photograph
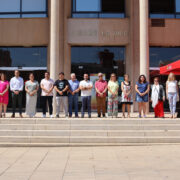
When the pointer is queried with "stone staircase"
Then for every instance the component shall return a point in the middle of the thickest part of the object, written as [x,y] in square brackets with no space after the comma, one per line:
[87,132]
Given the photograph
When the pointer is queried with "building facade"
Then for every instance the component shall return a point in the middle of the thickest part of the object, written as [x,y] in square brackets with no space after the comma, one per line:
[122,36]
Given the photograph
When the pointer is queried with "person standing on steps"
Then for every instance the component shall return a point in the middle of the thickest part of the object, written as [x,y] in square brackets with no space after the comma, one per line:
[101,89]
[127,99]
[16,87]
[47,86]
[86,92]
[4,94]
[142,90]
[113,88]
[61,86]
[31,88]
[172,93]
[73,95]
[157,95]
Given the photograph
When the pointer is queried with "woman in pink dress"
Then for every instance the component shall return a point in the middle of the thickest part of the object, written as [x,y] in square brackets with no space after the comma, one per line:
[4,94]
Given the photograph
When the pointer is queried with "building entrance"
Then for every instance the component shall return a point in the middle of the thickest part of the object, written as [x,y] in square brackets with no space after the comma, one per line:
[93,60]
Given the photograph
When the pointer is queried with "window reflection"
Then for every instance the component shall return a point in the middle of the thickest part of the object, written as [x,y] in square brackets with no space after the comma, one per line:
[9,5]
[97,59]
[87,5]
[23,8]
[23,57]
[33,5]
[98,9]
[178,6]
[160,56]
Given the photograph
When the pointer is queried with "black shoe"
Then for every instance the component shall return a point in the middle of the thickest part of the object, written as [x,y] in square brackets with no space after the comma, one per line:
[76,116]
[70,116]
[89,116]
[57,116]
[104,115]
[99,115]
[13,116]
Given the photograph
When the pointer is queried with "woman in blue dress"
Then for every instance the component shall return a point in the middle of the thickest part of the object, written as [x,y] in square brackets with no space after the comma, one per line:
[142,90]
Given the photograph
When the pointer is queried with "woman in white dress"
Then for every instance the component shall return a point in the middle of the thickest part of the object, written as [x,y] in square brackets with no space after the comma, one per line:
[31,88]
[127,99]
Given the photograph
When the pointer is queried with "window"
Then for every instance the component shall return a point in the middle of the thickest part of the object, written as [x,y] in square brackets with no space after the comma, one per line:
[178,6]
[164,8]
[9,5]
[161,56]
[97,59]
[98,9]
[87,5]
[23,8]
[113,6]
[23,57]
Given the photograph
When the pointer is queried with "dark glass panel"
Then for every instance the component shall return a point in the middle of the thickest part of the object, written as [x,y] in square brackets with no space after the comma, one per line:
[113,5]
[23,57]
[98,59]
[162,6]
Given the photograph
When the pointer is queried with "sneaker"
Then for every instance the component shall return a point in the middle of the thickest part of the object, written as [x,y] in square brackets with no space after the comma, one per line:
[57,115]
[104,115]
[51,116]
[76,116]
[99,115]
[13,116]
[44,116]
[140,116]
[82,116]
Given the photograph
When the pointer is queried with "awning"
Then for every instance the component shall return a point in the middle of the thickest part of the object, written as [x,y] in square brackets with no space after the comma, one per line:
[171,68]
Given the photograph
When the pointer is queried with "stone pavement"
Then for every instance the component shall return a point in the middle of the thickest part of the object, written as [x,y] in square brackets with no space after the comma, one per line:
[91,163]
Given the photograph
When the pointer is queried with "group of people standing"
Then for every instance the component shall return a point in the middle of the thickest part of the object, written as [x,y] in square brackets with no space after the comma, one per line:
[67,94]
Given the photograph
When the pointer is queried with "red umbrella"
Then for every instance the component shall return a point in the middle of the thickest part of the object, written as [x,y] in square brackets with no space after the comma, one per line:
[171,68]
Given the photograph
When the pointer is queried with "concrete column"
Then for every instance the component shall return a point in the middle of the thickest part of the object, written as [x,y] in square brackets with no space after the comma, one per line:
[54,38]
[67,47]
[144,37]
[56,41]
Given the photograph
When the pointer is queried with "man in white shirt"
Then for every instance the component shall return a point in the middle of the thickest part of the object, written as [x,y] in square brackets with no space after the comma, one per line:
[47,86]
[86,90]
[16,87]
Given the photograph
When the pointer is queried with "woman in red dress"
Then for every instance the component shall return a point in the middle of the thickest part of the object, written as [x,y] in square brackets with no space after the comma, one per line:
[4,94]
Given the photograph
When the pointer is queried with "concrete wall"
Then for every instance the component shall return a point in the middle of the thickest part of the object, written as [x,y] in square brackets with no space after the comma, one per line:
[98,31]
[165,36]
[24,32]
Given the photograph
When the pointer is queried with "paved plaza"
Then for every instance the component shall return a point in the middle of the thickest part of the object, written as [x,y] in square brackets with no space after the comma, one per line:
[91,163]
